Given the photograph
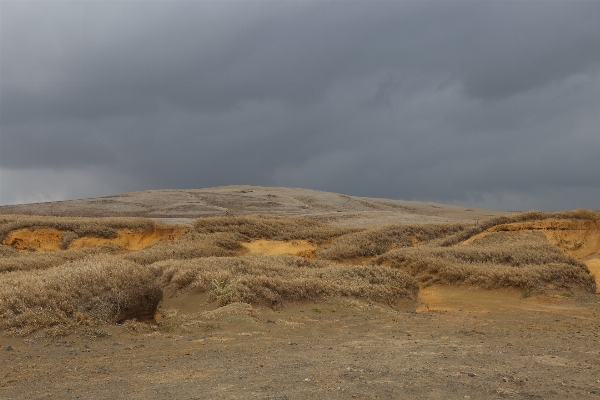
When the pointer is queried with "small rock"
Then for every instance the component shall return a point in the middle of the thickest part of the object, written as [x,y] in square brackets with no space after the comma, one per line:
[9,348]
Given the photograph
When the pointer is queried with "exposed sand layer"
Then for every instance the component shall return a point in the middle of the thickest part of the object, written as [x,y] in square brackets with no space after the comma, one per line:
[453,298]
[302,248]
[48,239]
[37,239]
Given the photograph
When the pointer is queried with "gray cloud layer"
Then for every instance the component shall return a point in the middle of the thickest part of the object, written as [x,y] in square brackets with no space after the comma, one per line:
[493,104]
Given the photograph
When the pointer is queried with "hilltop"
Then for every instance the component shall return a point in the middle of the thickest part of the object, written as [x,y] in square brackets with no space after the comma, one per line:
[246,200]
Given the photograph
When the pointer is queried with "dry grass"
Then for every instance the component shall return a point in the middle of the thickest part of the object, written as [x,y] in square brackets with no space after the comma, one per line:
[521,217]
[521,260]
[190,245]
[55,301]
[276,280]
[376,241]
[16,261]
[271,227]
[7,251]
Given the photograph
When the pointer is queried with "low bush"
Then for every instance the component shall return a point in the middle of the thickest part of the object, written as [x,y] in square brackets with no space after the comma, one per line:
[376,241]
[16,261]
[525,261]
[276,280]
[271,227]
[54,301]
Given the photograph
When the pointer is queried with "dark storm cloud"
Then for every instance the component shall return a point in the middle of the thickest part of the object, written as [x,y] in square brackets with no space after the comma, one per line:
[492,103]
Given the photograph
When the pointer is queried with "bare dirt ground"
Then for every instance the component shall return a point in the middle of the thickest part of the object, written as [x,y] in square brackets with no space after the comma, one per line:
[466,344]
[458,342]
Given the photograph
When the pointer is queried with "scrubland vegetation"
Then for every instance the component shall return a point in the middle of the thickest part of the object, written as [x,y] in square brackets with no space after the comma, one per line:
[55,292]
[101,288]
[271,227]
[522,260]
[76,227]
[376,241]
[275,280]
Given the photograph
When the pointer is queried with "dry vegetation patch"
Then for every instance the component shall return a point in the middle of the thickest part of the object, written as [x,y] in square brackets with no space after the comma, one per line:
[376,241]
[139,259]
[190,245]
[277,279]
[525,261]
[56,300]
[577,215]
[271,227]
[37,261]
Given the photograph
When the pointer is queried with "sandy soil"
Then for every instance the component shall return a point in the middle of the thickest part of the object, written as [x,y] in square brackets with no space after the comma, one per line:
[294,247]
[40,239]
[47,239]
[467,344]
[131,240]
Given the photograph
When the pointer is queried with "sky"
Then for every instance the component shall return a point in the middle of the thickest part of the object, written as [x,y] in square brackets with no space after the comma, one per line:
[492,104]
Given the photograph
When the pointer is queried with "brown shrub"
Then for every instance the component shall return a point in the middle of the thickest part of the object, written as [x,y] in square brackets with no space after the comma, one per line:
[101,288]
[525,260]
[376,241]
[7,251]
[275,280]
[270,227]
[190,245]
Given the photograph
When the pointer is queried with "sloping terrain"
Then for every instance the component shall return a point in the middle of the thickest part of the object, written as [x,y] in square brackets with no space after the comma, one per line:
[246,200]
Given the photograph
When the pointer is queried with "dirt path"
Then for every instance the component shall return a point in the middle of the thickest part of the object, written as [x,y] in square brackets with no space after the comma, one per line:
[497,345]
